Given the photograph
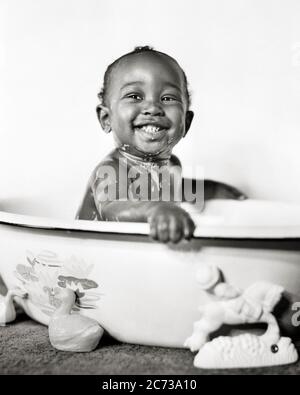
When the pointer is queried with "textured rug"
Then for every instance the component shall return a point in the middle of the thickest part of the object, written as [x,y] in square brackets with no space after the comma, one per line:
[25,349]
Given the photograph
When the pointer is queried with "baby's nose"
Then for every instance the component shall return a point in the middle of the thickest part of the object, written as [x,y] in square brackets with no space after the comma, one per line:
[152,108]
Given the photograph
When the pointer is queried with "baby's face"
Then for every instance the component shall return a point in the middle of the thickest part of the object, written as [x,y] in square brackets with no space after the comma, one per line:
[147,105]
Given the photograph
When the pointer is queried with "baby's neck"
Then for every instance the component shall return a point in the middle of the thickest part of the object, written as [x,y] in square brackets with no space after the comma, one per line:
[155,159]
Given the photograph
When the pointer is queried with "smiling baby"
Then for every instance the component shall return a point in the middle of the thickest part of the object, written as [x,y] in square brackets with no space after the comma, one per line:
[145,104]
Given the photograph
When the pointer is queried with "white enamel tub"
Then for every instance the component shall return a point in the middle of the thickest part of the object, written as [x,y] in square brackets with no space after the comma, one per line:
[141,291]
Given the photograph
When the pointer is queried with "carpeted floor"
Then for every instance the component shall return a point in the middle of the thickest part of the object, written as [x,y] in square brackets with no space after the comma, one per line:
[25,349]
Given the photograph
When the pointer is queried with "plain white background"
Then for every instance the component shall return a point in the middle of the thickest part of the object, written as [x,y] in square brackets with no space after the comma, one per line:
[242,59]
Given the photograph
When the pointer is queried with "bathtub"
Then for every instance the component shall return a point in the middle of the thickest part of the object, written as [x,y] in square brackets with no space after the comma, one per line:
[141,291]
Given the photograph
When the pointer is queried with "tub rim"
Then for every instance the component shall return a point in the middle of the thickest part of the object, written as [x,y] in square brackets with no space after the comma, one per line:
[204,231]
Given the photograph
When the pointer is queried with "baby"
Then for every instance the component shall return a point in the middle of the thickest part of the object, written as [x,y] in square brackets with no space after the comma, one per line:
[145,104]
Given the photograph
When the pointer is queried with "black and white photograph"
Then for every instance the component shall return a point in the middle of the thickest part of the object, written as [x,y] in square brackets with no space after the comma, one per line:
[150,190]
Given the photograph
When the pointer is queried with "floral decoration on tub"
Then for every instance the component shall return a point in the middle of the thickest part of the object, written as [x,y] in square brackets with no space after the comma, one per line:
[43,273]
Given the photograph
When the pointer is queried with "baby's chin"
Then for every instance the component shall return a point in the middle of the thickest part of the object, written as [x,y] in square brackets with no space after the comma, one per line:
[153,149]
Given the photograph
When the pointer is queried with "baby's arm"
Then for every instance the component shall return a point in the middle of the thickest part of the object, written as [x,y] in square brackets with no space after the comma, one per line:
[168,222]
[220,190]
[214,189]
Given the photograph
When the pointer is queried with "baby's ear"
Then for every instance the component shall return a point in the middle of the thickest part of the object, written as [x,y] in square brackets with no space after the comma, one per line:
[188,121]
[103,117]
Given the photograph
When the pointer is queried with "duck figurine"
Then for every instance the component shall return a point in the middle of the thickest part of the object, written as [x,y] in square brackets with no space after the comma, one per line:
[7,308]
[72,332]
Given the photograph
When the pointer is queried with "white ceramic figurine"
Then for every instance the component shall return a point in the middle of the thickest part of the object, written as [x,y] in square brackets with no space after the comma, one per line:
[245,351]
[72,332]
[7,308]
[233,307]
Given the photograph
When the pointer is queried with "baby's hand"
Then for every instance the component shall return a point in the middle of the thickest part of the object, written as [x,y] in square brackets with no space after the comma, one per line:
[169,222]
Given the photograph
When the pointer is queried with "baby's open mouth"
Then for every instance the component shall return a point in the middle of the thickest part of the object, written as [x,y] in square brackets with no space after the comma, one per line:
[150,130]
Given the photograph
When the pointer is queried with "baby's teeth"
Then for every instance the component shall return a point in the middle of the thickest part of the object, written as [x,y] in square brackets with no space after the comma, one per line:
[150,129]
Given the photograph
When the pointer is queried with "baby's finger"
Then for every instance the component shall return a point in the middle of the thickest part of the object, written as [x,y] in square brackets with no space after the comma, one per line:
[188,227]
[153,229]
[175,230]
[163,229]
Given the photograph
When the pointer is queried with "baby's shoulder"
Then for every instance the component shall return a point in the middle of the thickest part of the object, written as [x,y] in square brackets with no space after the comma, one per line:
[109,161]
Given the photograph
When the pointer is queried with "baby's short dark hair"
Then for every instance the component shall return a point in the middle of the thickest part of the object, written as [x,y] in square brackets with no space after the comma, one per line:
[107,75]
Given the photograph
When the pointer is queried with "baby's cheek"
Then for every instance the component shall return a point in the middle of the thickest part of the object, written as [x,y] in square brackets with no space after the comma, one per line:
[176,135]
[123,115]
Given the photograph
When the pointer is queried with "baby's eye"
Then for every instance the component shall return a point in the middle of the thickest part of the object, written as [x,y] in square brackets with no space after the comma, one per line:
[168,98]
[134,96]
